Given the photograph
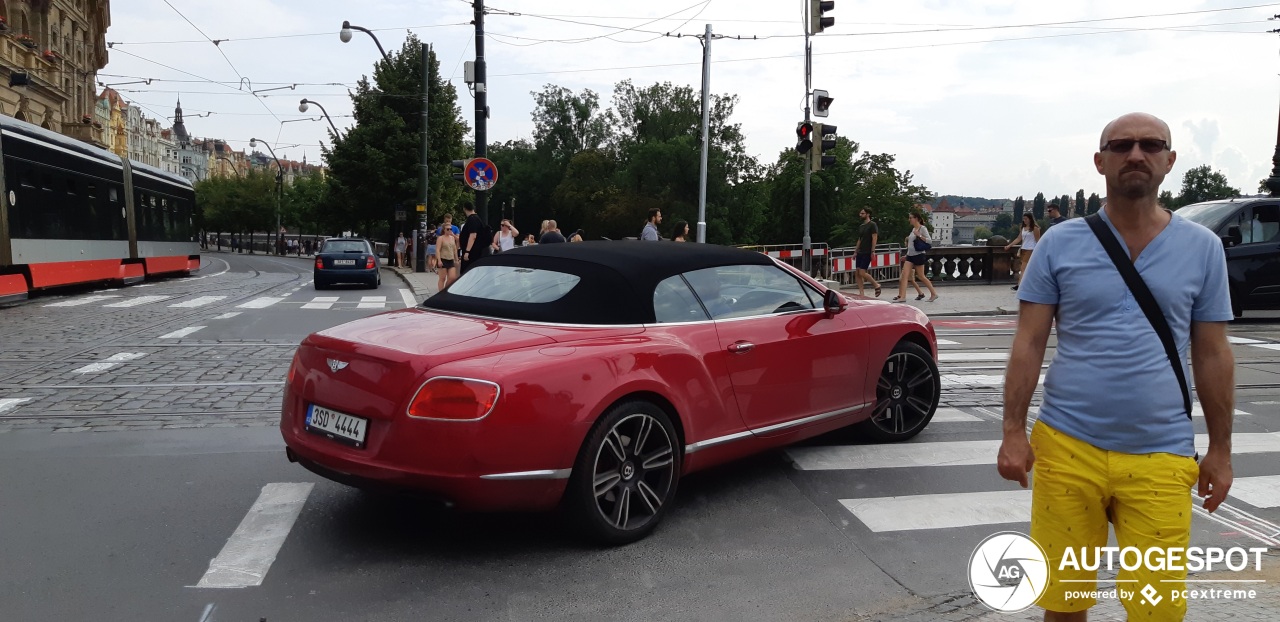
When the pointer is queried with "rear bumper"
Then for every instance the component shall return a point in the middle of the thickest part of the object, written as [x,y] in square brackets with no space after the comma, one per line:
[464,492]
[344,275]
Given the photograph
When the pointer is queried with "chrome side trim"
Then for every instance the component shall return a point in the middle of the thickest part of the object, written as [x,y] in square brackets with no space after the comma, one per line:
[523,475]
[711,442]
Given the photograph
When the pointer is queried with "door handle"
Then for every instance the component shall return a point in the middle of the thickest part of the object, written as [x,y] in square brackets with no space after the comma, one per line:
[741,347]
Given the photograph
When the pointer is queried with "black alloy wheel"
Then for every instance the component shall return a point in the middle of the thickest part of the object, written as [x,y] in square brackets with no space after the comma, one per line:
[626,473]
[907,394]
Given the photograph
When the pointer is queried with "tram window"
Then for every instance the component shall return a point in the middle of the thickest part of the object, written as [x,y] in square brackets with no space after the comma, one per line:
[92,191]
[111,195]
[26,178]
[71,186]
[46,182]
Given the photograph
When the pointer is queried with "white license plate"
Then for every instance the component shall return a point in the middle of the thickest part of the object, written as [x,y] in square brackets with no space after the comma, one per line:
[344,262]
[341,427]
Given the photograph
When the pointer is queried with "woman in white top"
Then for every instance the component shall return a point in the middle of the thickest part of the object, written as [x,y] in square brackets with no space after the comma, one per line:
[914,263]
[1028,238]
[505,238]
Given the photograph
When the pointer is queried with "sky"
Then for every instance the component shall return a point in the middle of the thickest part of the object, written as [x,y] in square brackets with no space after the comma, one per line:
[996,99]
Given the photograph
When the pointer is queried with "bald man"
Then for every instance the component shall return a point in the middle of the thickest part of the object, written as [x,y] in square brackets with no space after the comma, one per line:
[1114,441]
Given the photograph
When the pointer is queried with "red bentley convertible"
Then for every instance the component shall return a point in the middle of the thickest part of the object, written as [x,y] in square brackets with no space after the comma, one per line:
[595,375]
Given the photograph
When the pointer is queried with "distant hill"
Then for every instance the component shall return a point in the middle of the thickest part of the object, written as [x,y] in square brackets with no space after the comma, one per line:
[974,203]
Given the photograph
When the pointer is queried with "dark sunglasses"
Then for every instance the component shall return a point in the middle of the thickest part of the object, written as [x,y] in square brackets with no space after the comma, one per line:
[1125,145]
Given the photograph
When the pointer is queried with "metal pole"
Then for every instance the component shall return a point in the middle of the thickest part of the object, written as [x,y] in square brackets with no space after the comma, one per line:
[482,107]
[817,144]
[706,133]
[424,191]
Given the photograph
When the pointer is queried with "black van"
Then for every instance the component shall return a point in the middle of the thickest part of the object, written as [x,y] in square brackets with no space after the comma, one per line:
[1250,232]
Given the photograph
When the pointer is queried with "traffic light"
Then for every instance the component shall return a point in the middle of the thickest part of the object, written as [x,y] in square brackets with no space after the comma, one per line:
[804,137]
[461,165]
[818,23]
[821,103]
[819,160]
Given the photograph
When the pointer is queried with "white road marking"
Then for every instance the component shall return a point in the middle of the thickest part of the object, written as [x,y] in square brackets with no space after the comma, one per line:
[112,361]
[180,333]
[147,285]
[968,357]
[948,342]
[10,403]
[1269,346]
[1243,340]
[407,296]
[226,316]
[198,302]
[140,300]
[942,511]
[259,303]
[1260,492]
[321,302]
[372,302]
[1198,411]
[81,301]
[964,453]
[952,415]
[976,380]
[250,551]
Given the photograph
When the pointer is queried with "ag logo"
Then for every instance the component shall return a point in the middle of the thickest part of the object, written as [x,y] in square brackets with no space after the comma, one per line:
[1008,572]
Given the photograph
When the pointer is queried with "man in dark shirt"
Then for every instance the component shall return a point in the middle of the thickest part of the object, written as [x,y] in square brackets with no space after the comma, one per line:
[552,235]
[473,243]
[868,235]
[1055,216]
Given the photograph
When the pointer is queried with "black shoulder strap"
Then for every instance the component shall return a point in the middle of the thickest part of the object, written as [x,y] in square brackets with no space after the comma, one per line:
[1145,299]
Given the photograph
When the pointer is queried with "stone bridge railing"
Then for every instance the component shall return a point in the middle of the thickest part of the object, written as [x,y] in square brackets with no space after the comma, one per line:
[971,264]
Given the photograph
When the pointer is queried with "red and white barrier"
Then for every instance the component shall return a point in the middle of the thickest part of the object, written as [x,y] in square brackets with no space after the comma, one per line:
[878,260]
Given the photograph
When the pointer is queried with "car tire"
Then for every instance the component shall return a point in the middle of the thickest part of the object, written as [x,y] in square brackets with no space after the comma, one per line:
[625,477]
[1237,303]
[320,284]
[907,394]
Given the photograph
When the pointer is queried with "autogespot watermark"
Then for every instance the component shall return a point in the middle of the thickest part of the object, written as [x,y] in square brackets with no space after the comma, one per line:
[1009,571]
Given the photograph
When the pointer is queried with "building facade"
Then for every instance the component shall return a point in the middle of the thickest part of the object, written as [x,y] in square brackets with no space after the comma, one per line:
[50,53]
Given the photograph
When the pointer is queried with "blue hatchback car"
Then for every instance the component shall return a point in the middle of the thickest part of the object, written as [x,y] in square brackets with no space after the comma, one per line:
[347,260]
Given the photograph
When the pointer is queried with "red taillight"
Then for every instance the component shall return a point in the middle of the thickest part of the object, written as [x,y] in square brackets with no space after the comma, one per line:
[319,264]
[293,371]
[368,264]
[454,399]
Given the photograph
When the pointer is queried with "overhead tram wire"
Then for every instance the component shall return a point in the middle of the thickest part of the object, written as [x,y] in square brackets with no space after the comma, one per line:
[269,37]
[616,29]
[224,55]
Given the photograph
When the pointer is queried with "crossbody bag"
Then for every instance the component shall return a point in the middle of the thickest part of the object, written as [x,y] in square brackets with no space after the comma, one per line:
[1146,300]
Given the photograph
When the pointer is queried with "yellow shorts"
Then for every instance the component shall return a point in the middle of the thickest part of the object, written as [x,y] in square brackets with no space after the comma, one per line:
[1148,496]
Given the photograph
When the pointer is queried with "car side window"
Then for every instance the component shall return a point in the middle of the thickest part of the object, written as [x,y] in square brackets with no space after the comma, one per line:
[674,302]
[1264,224]
[749,290]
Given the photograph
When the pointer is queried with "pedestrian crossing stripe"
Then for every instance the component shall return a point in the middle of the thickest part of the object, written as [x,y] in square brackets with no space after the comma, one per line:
[372,302]
[942,511]
[964,453]
[321,302]
[197,302]
[259,303]
[953,415]
[1260,492]
[137,302]
[971,357]
[82,301]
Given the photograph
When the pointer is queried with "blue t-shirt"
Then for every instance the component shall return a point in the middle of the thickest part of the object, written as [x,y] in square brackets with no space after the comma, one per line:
[1110,383]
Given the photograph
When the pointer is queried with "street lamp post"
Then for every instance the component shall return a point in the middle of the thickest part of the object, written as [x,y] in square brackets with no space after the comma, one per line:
[253,142]
[302,107]
[423,166]
[231,164]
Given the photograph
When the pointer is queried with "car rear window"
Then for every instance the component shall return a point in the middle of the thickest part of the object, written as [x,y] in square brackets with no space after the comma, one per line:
[514,284]
[345,246]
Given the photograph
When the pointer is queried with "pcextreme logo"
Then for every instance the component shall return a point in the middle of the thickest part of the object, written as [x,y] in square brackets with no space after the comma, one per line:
[1008,571]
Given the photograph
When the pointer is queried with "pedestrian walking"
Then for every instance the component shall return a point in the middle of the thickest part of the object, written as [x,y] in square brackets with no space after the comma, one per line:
[650,230]
[681,232]
[401,244]
[551,233]
[1131,289]
[474,240]
[868,237]
[1028,237]
[1055,215]
[918,244]
[447,249]
[505,238]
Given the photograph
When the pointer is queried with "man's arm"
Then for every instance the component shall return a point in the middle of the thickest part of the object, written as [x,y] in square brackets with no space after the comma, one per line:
[875,240]
[1214,368]
[1020,380]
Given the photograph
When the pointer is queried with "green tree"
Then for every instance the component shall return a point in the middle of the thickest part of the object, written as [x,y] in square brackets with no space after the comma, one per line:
[303,201]
[1202,183]
[239,205]
[1168,201]
[1095,204]
[1079,206]
[1064,205]
[981,233]
[1019,206]
[374,167]
[566,123]
[1003,224]
[1037,207]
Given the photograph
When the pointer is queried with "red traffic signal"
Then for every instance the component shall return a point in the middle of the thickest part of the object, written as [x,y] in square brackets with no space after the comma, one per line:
[804,137]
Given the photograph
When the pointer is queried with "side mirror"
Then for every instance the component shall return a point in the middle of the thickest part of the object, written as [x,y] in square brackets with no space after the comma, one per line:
[833,302]
[1233,237]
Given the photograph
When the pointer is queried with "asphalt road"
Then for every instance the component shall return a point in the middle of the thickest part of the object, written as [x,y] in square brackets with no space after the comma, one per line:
[133,445]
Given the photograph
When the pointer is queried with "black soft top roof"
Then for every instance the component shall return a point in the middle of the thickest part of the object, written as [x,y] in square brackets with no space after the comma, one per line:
[617,279]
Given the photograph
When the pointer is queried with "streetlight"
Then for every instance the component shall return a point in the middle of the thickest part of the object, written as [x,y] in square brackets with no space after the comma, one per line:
[253,142]
[345,35]
[302,107]
[423,168]
[231,164]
